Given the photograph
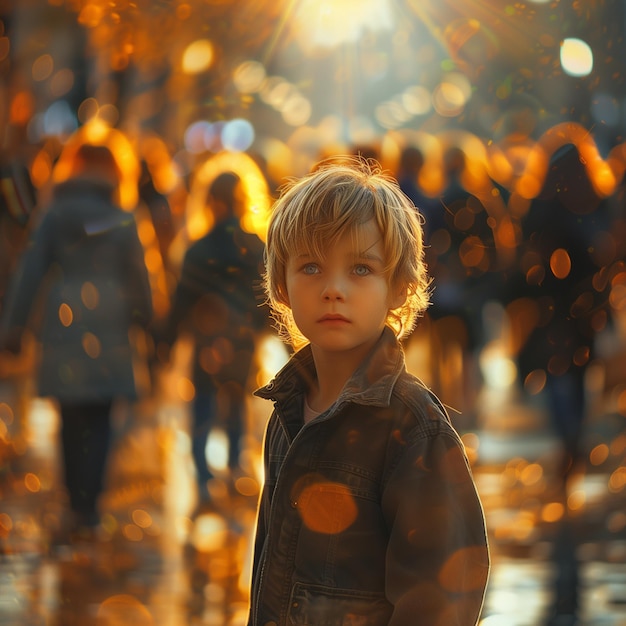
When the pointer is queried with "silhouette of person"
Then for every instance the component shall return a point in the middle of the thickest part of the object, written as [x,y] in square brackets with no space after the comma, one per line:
[557,275]
[409,167]
[556,291]
[217,300]
[462,247]
[17,201]
[82,282]
[160,211]
[459,254]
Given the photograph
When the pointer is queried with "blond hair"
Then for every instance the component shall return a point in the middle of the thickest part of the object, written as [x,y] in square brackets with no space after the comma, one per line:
[312,213]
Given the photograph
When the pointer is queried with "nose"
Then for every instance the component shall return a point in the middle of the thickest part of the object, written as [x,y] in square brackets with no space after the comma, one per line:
[334,289]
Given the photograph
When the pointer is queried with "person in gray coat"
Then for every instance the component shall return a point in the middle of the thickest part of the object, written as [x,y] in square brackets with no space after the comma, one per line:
[82,284]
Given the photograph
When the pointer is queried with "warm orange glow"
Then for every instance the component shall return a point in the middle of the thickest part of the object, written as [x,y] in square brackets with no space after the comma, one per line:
[552,512]
[22,108]
[89,295]
[91,345]
[617,297]
[531,474]
[324,24]
[145,230]
[62,82]
[616,522]
[91,15]
[618,445]
[142,518]
[132,532]
[32,482]
[255,189]
[464,571]
[472,252]
[124,609]
[247,486]
[576,500]
[471,443]
[599,454]
[6,413]
[98,132]
[41,168]
[560,263]
[198,57]
[209,533]
[153,261]
[535,382]
[506,234]
[600,173]
[530,183]
[617,480]
[185,389]
[153,150]
[6,524]
[42,67]
[325,507]
[66,315]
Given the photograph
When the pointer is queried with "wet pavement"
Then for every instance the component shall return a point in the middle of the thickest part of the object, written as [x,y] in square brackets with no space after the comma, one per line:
[152,565]
[149,563]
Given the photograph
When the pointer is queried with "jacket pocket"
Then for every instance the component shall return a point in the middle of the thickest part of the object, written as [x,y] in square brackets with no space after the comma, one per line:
[317,605]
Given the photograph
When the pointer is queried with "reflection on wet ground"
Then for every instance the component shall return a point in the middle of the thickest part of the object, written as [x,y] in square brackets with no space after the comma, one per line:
[149,563]
[155,563]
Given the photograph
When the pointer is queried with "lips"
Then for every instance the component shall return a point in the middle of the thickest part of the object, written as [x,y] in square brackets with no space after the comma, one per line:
[333,317]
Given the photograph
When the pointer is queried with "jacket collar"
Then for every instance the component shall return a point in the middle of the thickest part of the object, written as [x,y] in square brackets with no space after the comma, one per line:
[371,384]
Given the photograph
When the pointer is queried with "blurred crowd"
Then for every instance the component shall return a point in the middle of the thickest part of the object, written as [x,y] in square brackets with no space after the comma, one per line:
[116,260]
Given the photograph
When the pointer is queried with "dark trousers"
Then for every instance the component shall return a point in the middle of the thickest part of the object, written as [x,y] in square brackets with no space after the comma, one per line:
[86,440]
[220,406]
[566,398]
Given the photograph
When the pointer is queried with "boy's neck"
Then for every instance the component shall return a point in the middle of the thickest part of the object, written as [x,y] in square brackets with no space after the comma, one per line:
[332,375]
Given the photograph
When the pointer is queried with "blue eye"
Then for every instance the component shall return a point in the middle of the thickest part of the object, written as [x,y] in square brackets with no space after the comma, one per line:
[310,268]
[362,270]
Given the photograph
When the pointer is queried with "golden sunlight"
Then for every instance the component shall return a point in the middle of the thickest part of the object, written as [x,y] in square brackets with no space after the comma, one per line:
[330,23]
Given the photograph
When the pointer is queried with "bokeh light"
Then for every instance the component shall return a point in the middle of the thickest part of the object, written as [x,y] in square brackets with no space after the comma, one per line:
[184,91]
[197,57]
[576,57]
[326,24]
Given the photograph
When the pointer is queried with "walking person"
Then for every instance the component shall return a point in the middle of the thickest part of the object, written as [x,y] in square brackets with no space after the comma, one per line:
[83,283]
[556,298]
[218,301]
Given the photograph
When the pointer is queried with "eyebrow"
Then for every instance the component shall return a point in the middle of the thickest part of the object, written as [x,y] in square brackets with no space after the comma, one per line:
[368,256]
[363,255]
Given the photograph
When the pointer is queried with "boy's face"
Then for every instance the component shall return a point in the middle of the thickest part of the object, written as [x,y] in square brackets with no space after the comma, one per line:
[340,302]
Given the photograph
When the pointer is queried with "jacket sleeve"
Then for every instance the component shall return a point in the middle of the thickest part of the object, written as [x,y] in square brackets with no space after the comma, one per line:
[138,280]
[437,556]
[25,283]
[262,519]
[186,294]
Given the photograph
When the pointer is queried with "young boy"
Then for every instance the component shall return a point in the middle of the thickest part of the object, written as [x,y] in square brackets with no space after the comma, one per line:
[369,515]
